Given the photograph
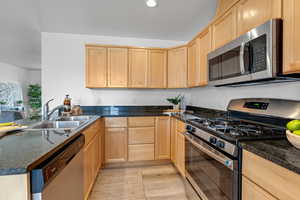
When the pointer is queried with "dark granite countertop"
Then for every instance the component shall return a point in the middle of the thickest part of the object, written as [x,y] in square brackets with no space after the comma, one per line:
[280,152]
[128,114]
[22,151]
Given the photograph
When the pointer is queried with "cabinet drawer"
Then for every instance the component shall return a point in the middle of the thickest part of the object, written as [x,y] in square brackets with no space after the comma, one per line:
[91,132]
[141,121]
[140,152]
[116,122]
[180,126]
[141,135]
[271,177]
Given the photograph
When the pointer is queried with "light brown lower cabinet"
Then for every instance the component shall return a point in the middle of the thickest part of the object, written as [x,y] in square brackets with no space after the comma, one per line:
[140,152]
[268,178]
[162,138]
[116,145]
[180,153]
[173,140]
[253,192]
[93,158]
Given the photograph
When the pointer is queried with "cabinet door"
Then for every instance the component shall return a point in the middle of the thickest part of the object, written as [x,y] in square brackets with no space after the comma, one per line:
[138,67]
[252,13]
[177,68]
[90,165]
[251,191]
[193,64]
[224,29]
[205,48]
[115,145]
[163,138]
[141,152]
[291,36]
[157,72]
[180,153]
[117,67]
[96,67]
[173,140]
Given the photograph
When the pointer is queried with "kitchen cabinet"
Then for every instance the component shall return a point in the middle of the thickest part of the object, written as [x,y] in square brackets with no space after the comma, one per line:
[163,138]
[141,152]
[157,72]
[173,140]
[141,137]
[253,192]
[115,145]
[291,38]
[224,5]
[269,178]
[180,153]
[180,147]
[193,64]
[224,28]
[252,13]
[138,68]
[177,68]
[205,48]
[96,67]
[117,67]
[92,155]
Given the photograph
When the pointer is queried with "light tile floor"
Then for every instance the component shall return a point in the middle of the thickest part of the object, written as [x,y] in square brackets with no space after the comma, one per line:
[145,183]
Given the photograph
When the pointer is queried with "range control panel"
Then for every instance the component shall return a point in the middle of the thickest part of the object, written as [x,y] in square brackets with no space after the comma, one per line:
[256,105]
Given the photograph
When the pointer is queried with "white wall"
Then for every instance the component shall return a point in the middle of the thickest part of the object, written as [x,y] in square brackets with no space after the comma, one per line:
[63,72]
[218,98]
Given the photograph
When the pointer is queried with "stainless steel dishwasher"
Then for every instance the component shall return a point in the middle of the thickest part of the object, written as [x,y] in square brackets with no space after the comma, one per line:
[61,176]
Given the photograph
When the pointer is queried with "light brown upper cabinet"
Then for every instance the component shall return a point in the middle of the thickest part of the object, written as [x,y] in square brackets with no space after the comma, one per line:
[157,69]
[96,67]
[163,138]
[193,64]
[177,68]
[138,68]
[224,5]
[117,67]
[205,48]
[224,28]
[291,36]
[252,13]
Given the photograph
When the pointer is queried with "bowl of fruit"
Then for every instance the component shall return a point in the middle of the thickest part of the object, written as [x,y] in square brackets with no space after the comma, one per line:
[293,133]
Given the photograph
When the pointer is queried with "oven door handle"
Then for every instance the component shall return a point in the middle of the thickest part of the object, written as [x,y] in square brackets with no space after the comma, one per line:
[222,159]
[242,63]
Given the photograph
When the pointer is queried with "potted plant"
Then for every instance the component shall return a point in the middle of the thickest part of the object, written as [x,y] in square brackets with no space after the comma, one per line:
[176,102]
[35,102]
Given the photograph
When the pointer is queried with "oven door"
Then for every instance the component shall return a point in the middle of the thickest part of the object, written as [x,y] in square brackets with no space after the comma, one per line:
[213,175]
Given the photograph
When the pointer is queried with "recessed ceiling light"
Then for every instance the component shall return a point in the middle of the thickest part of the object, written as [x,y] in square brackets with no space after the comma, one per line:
[151,3]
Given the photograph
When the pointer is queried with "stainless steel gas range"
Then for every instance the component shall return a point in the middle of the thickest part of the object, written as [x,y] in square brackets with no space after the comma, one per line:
[213,156]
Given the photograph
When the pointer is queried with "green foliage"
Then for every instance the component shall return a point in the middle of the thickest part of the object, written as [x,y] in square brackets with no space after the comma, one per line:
[2,102]
[35,101]
[19,102]
[175,100]
[34,94]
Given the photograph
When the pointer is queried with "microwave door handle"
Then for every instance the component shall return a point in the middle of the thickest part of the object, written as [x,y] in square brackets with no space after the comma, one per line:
[225,161]
[242,63]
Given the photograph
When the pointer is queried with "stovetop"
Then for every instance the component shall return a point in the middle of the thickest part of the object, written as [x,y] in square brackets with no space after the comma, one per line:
[237,130]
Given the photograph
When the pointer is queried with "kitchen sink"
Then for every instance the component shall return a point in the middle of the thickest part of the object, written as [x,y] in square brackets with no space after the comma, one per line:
[75,118]
[56,125]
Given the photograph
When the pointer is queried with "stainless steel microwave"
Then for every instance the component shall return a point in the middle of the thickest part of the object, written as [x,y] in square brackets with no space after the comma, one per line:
[254,56]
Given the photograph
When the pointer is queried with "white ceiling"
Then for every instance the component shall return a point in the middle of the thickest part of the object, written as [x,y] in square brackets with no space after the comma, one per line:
[23,21]
[20,38]
[171,20]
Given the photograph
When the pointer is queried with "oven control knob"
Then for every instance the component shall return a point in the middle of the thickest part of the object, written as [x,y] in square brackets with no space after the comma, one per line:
[190,129]
[213,140]
[221,144]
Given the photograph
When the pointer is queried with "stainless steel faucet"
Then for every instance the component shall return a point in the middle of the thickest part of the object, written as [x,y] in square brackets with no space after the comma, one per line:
[46,113]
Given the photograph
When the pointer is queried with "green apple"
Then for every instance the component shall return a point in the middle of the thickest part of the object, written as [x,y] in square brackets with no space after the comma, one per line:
[293,125]
[297,132]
